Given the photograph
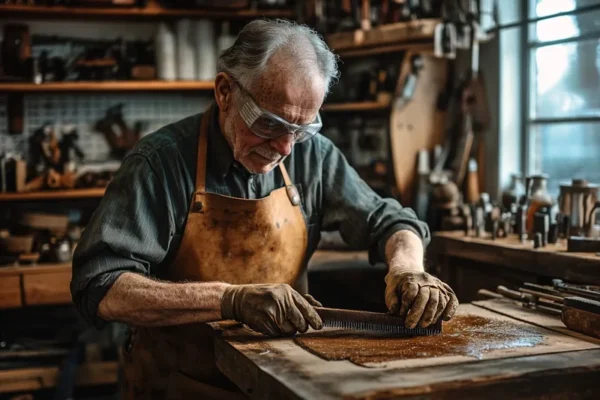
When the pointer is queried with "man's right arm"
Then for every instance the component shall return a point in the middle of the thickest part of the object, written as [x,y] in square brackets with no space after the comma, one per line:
[140,301]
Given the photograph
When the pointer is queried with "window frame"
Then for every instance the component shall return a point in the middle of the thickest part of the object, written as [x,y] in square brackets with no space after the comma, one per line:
[529,45]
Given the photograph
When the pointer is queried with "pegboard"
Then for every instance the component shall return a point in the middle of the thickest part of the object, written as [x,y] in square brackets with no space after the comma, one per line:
[83,110]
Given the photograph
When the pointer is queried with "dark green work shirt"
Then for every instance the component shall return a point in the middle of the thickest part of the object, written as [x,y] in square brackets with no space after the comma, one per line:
[140,221]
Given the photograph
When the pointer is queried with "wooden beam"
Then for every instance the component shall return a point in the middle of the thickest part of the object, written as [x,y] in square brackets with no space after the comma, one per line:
[150,12]
[400,32]
[53,195]
[358,106]
[107,86]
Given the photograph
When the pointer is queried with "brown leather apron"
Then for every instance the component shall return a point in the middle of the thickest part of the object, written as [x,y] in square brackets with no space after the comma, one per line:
[226,239]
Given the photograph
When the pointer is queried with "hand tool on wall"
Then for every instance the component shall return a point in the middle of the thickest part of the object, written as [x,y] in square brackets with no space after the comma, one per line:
[445,36]
[68,144]
[119,136]
[44,151]
[410,82]
[469,116]
[365,15]
[423,189]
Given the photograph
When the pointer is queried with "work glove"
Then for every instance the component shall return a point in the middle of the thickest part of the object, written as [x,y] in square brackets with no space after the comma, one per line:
[420,297]
[271,309]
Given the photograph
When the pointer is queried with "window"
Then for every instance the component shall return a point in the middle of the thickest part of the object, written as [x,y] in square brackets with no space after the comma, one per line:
[563,118]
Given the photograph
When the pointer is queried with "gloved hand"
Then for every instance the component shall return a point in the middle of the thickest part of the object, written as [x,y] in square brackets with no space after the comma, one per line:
[271,309]
[419,296]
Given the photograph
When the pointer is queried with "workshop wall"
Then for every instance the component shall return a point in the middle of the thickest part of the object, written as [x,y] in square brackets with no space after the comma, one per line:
[83,110]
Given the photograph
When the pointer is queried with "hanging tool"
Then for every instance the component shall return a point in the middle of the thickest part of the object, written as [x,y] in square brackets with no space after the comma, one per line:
[119,136]
[373,322]
[410,82]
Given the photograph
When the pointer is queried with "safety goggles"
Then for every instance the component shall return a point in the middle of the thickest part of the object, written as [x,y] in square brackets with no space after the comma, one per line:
[267,125]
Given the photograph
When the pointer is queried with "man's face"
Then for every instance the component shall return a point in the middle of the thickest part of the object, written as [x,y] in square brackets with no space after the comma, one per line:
[297,100]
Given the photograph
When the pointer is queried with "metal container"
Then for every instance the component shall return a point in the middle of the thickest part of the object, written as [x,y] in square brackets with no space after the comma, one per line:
[538,198]
[580,201]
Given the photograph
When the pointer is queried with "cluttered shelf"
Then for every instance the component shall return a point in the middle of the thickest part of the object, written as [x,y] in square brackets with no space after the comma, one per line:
[357,106]
[552,260]
[384,38]
[53,195]
[107,86]
[89,374]
[151,11]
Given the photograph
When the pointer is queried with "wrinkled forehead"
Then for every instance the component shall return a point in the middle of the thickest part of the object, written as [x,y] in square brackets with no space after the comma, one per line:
[295,97]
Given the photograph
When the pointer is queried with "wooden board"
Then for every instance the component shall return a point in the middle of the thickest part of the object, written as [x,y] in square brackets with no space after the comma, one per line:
[358,106]
[422,29]
[35,285]
[53,194]
[26,379]
[10,292]
[515,310]
[418,124]
[551,261]
[152,11]
[47,288]
[277,368]
[107,86]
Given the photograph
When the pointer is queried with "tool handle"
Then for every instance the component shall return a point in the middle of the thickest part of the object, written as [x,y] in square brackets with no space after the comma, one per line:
[536,295]
[488,294]
[514,295]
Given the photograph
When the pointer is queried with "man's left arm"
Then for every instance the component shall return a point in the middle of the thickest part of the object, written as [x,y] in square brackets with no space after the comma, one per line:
[410,291]
[391,232]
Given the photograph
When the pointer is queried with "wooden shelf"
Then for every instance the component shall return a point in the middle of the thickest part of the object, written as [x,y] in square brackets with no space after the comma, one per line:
[42,268]
[359,106]
[384,38]
[151,11]
[552,261]
[107,86]
[53,195]
[26,379]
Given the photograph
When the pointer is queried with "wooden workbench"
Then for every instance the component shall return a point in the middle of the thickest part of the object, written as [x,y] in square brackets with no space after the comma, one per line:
[469,263]
[566,365]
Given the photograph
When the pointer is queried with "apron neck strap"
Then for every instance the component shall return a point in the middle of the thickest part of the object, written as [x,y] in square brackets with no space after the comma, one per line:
[202,150]
[286,177]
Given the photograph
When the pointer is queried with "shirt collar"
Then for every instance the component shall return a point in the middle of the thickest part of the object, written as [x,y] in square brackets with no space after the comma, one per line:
[219,150]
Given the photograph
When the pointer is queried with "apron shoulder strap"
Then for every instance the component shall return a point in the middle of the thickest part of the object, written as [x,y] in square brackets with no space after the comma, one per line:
[286,176]
[202,149]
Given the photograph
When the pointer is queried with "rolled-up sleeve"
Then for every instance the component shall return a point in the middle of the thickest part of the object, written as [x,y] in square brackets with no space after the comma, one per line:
[363,218]
[129,231]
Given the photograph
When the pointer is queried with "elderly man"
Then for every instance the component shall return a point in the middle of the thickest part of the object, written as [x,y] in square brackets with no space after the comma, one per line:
[215,217]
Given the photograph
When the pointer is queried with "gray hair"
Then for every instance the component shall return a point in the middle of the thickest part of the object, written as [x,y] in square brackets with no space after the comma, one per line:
[260,39]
